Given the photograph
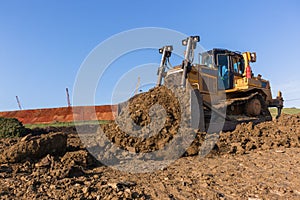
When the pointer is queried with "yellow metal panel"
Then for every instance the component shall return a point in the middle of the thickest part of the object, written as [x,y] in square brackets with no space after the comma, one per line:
[244,82]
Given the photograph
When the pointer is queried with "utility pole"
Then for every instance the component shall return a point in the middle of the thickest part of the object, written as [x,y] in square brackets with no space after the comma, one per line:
[68,98]
[19,104]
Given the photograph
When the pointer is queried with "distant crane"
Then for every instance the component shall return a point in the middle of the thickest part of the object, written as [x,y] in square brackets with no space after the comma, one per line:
[137,86]
[68,97]
[19,104]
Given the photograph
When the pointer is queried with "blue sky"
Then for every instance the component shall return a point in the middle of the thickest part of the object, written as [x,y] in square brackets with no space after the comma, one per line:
[43,43]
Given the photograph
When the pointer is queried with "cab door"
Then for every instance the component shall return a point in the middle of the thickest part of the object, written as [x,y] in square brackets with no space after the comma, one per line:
[225,74]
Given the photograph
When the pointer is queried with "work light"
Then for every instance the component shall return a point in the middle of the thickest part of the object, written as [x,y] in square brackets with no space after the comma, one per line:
[196,38]
[253,57]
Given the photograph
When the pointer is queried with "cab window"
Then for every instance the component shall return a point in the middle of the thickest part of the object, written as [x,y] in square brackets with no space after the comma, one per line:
[238,66]
[223,82]
[207,60]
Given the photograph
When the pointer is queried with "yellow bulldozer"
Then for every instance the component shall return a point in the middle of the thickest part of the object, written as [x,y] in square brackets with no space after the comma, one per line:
[225,77]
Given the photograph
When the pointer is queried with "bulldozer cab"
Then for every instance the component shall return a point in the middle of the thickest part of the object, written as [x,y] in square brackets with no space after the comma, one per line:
[230,65]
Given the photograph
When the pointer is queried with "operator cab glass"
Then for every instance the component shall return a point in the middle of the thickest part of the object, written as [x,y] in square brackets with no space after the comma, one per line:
[238,65]
[223,69]
[207,59]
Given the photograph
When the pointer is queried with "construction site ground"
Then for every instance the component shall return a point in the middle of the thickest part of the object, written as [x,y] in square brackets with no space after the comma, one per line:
[270,171]
[251,162]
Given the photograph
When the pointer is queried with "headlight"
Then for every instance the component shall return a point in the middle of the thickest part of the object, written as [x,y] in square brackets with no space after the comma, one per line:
[253,57]
[169,48]
[196,38]
[161,50]
[184,42]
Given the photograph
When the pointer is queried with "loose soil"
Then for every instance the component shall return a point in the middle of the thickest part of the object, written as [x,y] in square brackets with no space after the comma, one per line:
[251,162]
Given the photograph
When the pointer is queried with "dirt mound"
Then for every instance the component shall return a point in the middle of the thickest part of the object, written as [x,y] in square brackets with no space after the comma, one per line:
[32,148]
[136,114]
[284,132]
[140,128]
[65,174]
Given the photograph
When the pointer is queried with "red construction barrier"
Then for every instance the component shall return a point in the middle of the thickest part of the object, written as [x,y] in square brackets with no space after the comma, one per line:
[64,114]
